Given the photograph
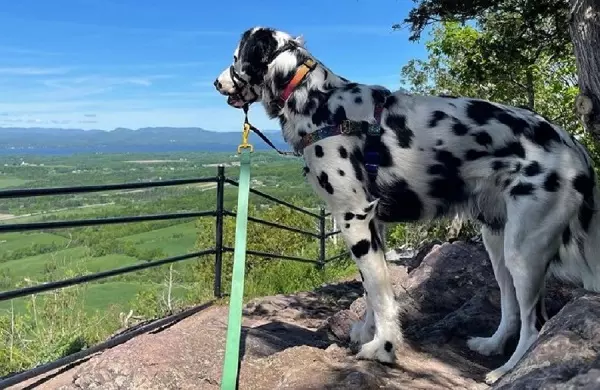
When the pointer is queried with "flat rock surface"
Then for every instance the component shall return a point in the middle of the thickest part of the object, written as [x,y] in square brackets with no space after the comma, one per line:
[447,293]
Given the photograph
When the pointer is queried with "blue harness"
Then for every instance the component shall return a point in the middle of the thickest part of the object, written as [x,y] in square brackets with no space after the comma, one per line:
[347,127]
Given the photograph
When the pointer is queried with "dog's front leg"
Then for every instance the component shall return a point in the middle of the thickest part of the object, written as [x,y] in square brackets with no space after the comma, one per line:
[361,233]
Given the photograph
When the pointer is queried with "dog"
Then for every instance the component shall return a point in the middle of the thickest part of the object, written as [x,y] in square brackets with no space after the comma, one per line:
[378,157]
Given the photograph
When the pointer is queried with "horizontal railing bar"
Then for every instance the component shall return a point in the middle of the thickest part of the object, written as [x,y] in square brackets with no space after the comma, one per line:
[273,199]
[337,257]
[120,339]
[25,192]
[274,224]
[100,275]
[21,227]
[274,256]
[332,233]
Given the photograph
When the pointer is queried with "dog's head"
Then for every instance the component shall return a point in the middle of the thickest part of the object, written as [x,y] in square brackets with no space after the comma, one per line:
[243,81]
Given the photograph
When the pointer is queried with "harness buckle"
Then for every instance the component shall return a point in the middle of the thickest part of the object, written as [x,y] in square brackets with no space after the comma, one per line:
[346,127]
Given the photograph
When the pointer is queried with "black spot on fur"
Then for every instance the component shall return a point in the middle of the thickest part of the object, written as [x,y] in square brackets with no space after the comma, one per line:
[439,142]
[516,168]
[533,169]
[368,208]
[399,203]
[319,151]
[517,125]
[483,138]
[348,216]
[552,182]
[566,236]
[347,226]
[522,189]
[356,159]
[403,133]
[459,128]
[379,95]
[375,239]
[473,154]
[481,112]
[437,117]
[349,86]
[361,248]
[388,346]
[448,185]
[305,171]
[339,115]
[324,182]
[495,224]
[584,184]
[355,90]
[511,149]
[341,172]
[358,100]
[543,134]
[343,152]
[362,217]
[390,101]
[301,133]
[498,165]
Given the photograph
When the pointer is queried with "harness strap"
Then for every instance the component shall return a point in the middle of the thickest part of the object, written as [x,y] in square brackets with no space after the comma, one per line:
[373,144]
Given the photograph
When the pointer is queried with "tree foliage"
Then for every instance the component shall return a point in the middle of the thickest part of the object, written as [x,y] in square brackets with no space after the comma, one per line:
[459,63]
[525,32]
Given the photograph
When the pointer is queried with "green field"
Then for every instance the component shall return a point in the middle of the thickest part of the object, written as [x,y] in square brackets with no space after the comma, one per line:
[7,182]
[90,312]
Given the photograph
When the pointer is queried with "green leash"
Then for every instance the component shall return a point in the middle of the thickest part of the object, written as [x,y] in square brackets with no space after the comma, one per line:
[234,323]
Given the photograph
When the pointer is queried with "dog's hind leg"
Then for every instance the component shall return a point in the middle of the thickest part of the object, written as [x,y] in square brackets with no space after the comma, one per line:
[494,244]
[363,236]
[531,240]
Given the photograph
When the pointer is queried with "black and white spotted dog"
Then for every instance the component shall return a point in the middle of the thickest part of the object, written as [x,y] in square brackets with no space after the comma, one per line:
[528,181]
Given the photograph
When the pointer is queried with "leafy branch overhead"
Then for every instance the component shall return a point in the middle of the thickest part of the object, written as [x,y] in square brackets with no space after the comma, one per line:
[516,43]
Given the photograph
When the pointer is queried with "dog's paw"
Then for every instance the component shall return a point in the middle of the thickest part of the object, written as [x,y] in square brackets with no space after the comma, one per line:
[380,350]
[493,376]
[486,346]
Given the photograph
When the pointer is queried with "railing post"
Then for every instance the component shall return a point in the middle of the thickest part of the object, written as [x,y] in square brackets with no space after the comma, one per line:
[219,231]
[321,239]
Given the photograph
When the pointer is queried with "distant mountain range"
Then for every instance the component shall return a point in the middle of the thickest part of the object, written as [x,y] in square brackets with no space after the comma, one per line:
[145,140]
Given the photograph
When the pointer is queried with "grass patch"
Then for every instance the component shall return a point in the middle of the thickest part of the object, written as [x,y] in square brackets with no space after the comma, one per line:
[172,241]
[7,182]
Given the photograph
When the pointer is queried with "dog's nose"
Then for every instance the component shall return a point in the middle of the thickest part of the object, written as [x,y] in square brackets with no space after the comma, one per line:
[217,84]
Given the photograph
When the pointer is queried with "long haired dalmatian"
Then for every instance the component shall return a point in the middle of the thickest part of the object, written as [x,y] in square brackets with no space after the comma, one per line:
[379,157]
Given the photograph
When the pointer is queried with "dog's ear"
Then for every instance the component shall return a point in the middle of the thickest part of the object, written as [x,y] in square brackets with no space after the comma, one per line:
[255,52]
[299,40]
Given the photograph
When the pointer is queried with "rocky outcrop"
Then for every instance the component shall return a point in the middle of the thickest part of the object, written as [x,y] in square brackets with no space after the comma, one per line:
[447,293]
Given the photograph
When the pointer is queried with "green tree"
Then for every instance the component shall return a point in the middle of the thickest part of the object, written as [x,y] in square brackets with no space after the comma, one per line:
[461,61]
[529,30]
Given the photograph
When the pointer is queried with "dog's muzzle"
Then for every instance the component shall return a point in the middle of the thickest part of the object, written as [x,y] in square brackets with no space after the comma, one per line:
[237,99]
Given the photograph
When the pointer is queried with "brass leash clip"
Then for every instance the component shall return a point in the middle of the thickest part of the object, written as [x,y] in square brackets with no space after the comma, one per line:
[245,135]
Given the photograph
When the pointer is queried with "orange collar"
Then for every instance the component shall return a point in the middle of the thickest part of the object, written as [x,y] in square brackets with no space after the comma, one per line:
[301,73]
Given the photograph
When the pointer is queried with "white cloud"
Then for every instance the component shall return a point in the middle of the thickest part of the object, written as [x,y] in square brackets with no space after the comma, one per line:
[32,71]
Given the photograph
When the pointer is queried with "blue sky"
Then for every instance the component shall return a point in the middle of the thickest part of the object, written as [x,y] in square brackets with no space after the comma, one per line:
[101,64]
